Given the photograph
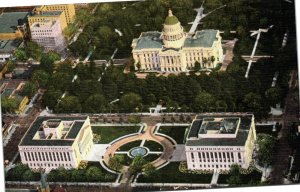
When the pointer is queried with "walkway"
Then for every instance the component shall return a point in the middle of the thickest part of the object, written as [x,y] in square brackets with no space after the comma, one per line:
[149,134]
[229,45]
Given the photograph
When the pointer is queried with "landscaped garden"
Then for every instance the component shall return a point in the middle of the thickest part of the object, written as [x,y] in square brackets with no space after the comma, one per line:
[90,172]
[171,174]
[245,179]
[22,172]
[176,132]
[153,146]
[110,133]
[130,145]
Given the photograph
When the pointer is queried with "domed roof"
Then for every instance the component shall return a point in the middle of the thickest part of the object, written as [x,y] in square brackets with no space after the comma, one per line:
[171,19]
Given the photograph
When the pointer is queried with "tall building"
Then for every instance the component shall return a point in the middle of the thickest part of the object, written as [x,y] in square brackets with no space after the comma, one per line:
[216,141]
[52,142]
[174,51]
[48,34]
[49,15]
[68,9]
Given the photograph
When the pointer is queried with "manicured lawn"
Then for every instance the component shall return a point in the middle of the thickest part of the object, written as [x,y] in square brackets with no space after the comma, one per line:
[171,174]
[110,133]
[130,145]
[251,178]
[176,132]
[153,146]
[152,157]
[128,160]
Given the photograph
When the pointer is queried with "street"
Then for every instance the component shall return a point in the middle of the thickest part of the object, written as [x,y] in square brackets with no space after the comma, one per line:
[281,158]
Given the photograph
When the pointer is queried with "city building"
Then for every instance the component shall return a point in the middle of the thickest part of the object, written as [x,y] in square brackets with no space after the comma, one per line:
[7,48]
[48,34]
[52,142]
[69,10]
[216,141]
[13,28]
[173,50]
[12,25]
[12,89]
[49,15]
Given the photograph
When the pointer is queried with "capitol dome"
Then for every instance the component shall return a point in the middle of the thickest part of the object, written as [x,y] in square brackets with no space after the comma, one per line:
[173,35]
[171,19]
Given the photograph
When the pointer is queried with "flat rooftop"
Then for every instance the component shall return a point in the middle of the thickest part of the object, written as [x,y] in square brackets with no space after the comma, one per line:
[10,20]
[219,124]
[204,38]
[28,139]
[149,40]
[47,14]
[8,46]
[226,125]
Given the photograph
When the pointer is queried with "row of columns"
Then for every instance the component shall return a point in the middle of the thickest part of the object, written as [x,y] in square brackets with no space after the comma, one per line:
[46,156]
[215,158]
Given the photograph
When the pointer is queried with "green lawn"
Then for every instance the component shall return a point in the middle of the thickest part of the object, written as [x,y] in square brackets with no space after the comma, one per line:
[128,160]
[130,145]
[152,157]
[252,178]
[110,133]
[176,132]
[171,174]
[153,146]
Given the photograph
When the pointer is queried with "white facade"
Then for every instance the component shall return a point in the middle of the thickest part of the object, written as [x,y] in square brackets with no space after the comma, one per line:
[65,144]
[48,34]
[172,50]
[213,150]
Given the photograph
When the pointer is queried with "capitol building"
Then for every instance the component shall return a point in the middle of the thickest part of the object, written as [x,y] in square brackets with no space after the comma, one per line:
[173,50]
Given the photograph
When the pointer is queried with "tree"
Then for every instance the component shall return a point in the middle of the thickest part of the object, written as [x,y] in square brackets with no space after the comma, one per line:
[47,61]
[69,104]
[28,175]
[20,54]
[93,174]
[235,176]
[40,78]
[204,101]
[29,89]
[197,66]
[16,174]
[266,148]
[78,175]
[9,105]
[130,101]
[274,95]
[95,103]
[116,162]
[149,170]
[70,30]
[50,98]
[137,164]
[252,101]
[33,50]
